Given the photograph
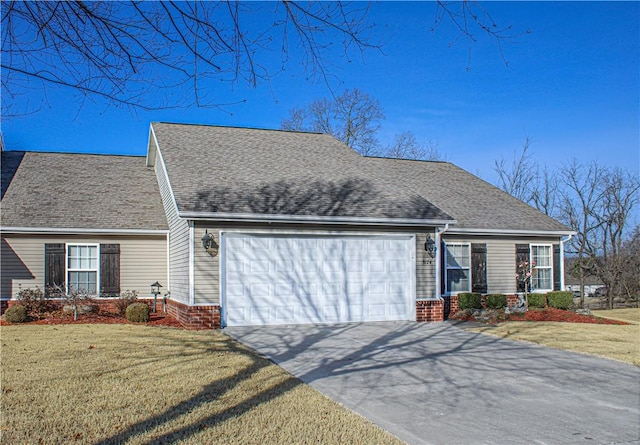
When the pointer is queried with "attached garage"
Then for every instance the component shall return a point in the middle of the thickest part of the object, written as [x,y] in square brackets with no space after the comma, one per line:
[272,279]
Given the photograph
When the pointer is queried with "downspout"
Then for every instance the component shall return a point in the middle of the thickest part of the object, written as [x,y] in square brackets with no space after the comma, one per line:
[439,232]
[562,241]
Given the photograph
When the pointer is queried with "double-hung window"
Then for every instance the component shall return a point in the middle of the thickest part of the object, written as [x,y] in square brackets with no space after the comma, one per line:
[83,268]
[541,267]
[458,276]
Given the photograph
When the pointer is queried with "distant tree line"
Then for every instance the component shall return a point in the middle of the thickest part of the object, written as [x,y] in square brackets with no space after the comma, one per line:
[597,203]
[354,118]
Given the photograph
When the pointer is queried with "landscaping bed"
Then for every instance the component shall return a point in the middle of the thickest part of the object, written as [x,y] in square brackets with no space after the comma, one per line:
[546,314]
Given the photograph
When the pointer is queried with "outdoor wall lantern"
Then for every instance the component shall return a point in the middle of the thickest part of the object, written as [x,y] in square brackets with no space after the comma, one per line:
[430,246]
[155,290]
[209,244]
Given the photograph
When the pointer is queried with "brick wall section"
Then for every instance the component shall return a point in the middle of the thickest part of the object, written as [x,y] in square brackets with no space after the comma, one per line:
[430,310]
[195,317]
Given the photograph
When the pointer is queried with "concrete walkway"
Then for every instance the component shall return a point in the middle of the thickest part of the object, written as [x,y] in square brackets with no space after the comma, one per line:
[438,384]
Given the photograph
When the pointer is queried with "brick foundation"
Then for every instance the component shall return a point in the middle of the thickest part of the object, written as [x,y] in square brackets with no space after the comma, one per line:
[430,310]
[195,317]
[104,304]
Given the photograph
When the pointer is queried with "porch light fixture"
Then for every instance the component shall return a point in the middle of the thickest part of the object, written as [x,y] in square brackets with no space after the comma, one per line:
[430,246]
[209,244]
[155,290]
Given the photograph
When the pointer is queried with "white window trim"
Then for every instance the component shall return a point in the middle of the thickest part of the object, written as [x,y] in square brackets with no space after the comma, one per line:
[550,267]
[67,269]
[446,268]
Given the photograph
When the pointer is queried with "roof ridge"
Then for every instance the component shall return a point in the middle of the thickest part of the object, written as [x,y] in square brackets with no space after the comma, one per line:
[238,127]
[75,153]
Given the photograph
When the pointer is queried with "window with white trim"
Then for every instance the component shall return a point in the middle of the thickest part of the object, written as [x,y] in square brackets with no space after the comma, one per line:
[82,268]
[457,268]
[541,267]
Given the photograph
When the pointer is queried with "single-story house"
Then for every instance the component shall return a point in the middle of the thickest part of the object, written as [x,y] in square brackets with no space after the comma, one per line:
[278,227]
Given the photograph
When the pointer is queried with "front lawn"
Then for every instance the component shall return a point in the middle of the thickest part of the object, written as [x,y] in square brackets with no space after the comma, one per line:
[604,340]
[113,384]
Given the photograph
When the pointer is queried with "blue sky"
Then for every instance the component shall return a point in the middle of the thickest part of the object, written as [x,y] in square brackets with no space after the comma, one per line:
[572,84]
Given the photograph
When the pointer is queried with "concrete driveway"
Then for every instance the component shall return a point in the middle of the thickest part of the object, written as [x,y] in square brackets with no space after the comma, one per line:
[437,384]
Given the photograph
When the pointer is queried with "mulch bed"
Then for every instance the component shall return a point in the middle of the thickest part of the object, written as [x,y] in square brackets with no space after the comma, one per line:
[157,319]
[552,314]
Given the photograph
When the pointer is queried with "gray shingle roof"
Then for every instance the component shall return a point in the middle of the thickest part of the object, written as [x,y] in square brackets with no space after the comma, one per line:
[266,172]
[243,170]
[69,190]
[474,203]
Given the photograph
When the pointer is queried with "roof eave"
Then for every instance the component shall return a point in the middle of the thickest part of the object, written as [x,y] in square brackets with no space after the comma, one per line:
[312,219]
[510,232]
[76,230]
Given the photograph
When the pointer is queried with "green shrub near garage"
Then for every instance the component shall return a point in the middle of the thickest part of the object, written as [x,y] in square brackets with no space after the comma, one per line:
[537,301]
[560,299]
[495,301]
[469,300]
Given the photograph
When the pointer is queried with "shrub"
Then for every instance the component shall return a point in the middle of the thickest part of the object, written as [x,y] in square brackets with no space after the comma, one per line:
[34,301]
[137,312]
[495,301]
[124,300]
[560,299]
[16,314]
[537,301]
[468,300]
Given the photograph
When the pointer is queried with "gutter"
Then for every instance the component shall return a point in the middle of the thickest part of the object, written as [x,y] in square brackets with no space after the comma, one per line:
[510,232]
[76,231]
[252,217]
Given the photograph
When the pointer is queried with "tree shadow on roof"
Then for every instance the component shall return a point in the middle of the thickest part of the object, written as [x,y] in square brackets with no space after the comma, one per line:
[348,198]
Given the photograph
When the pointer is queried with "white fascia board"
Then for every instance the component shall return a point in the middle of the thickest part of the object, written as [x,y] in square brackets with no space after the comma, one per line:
[152,148]
[509,232]
[75,231]
[252,217]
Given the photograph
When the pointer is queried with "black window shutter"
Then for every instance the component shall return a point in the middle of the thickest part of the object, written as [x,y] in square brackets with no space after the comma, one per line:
[522,255]
[110,268]
[479,268]
[443,268]
[54,255]
[556,268]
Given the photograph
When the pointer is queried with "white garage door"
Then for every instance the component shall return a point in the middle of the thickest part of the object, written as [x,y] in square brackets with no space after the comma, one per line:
[289,279]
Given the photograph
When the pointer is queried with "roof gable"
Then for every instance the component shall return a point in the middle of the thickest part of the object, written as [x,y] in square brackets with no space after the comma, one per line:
[222,171]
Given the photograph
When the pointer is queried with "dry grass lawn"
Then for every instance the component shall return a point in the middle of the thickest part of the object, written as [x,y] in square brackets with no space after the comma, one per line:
[115,384]
[614,342]
[630,315]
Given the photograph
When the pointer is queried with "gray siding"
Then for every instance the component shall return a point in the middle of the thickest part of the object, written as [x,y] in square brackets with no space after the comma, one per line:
[143,260]
[501,258]
[425,269]
[207,270]
[178,238]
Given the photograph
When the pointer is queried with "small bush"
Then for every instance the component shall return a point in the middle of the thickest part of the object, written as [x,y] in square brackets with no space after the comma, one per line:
[16,314]
[137,313]
[560,299]
[34,301]
[124,300]
[495,301]
[468,300]
[537,301]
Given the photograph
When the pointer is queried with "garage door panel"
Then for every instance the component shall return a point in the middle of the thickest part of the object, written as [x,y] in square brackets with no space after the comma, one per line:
[316,279]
